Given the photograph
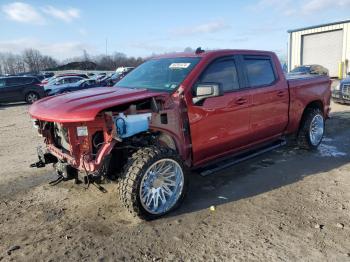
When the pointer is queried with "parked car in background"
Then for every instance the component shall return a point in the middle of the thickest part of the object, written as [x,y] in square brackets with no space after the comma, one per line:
[47,80]
[20,88]
[62,81]
[99,76]
[71,87]
[310,70]
[48,74]
[124,69]
[111,80]
[341,92]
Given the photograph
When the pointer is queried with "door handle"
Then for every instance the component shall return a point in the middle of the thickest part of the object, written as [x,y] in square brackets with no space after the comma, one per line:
[280,93]
[241,101]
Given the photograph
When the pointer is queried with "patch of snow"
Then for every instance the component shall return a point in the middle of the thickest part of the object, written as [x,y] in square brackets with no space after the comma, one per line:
[326,139]
[329,151]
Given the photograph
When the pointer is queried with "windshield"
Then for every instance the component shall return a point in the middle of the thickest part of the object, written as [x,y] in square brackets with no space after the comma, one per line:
[164,74]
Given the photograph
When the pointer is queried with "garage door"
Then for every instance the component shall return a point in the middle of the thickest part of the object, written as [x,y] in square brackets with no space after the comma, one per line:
[324,49]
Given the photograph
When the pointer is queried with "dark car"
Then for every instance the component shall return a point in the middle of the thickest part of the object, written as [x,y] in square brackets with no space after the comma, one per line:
[341,92]
[111,80]
[48,74]
[71,87]
[20,88]
[309,70]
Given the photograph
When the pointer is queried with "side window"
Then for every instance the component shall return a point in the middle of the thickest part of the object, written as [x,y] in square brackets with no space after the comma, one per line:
[223,72]
[27,80]
[259,71]
[2,83]
[14,81]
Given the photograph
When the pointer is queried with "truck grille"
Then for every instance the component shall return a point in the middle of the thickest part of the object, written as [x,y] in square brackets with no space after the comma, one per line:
[346,89]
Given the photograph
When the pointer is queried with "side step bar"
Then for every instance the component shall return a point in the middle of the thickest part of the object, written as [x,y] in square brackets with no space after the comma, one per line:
[223,164]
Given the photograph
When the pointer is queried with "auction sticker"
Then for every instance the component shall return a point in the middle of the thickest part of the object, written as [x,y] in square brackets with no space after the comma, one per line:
[179,65]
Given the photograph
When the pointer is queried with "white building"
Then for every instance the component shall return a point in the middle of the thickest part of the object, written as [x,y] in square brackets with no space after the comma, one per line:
[327,45]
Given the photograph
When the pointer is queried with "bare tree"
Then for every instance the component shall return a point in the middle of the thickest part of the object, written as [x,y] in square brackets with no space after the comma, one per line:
[32,59]
[188,50]
[47,62]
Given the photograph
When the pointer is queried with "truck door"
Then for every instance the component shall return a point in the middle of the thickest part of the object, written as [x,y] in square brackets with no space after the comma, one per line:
[220,124]
[270,97]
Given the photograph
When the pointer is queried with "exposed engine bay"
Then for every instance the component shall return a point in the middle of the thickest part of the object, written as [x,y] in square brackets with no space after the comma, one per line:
[98,150]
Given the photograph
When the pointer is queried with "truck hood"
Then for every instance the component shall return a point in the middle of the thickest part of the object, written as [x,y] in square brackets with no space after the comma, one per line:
[84,105]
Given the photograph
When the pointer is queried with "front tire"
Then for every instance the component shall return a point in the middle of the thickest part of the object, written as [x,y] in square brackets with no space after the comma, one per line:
[153,183]
[312,129]
[31,97]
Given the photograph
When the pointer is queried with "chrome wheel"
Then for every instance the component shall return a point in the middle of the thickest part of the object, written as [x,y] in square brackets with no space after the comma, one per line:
[32,97]
[316,130]
[161,186]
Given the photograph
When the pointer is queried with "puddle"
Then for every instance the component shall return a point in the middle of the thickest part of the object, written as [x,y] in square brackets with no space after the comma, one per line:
[329,151]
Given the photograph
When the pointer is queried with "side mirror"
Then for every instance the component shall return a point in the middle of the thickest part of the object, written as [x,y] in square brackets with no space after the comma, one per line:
[206,90]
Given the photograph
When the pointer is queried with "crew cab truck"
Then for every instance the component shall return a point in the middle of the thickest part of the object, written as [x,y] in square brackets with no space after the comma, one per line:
[174,113]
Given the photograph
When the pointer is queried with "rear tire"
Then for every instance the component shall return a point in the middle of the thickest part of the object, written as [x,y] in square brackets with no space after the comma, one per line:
[312,129]
[31,97]
[153,183]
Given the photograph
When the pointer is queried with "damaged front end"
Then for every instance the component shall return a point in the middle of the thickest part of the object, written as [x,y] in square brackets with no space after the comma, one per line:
[99,149]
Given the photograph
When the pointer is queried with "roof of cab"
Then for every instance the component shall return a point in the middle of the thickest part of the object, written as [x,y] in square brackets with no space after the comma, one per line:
[218,52]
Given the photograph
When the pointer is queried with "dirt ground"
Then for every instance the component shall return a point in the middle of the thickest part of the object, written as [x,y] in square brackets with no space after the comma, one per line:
[287,205]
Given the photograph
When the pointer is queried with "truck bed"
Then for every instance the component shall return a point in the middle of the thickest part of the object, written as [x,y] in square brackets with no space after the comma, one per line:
[304,89]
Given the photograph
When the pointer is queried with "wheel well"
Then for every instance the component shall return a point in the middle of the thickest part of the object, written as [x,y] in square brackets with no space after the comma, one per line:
[124,150]
[30,91]
[314,104]
[167,140]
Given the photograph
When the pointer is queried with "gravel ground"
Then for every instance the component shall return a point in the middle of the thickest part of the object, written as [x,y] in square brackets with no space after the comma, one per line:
[287,205]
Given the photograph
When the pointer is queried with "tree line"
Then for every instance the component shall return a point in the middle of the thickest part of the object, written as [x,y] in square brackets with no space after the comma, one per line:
[33,61]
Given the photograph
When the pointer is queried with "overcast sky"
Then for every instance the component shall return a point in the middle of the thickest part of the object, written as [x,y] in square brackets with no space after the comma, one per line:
[139,28]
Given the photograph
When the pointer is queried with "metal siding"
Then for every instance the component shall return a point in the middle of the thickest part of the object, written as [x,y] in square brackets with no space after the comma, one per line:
[323,48]
[296,43]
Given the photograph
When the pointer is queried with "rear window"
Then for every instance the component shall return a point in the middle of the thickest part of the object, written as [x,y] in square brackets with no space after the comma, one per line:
[260,71]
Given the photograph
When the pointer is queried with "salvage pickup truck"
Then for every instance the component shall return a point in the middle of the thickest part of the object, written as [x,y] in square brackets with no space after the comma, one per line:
[176,113]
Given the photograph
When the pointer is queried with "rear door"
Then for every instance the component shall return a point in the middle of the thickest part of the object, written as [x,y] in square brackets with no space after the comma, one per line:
[270,98]
[221,124]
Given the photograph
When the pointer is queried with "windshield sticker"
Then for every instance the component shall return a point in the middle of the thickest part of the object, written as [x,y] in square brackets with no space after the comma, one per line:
[179,65]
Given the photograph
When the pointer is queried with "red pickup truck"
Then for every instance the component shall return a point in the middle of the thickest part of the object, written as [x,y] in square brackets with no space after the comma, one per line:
[178,112]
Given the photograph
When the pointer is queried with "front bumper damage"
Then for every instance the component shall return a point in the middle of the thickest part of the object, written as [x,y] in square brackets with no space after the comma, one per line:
[67,167]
